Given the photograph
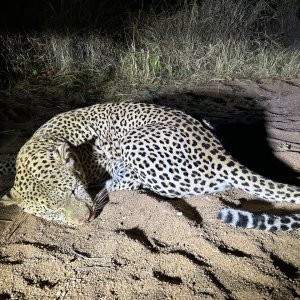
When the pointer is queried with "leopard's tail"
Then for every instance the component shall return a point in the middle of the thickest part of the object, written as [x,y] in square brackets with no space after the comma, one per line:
[242,178]
[266,222]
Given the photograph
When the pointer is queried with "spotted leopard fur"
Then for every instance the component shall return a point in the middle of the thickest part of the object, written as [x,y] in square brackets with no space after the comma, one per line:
[8,164]
[139,146]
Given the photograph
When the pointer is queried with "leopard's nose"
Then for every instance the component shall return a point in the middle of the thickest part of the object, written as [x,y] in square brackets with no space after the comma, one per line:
[77,212]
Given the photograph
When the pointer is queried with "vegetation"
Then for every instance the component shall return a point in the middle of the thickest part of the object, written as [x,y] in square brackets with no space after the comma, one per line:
[213,40]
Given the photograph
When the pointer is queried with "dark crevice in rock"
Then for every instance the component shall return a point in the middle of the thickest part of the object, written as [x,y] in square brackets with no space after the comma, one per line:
[196,260]
[234,252]
[286,268]
[187,210]
[167,278]
[11,262]
[219,285]
[139,236]
[40,283]
[40,245]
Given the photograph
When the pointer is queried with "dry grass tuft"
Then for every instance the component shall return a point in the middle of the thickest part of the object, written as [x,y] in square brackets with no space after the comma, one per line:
[215,40]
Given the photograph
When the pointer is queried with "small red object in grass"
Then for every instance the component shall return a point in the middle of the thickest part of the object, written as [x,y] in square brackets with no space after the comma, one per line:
[48,74]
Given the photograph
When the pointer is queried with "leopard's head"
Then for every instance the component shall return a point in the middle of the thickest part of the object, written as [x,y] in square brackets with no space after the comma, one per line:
[49,184]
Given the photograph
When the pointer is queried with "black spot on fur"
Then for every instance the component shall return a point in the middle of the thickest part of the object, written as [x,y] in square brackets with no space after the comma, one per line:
[285,220]
[271,185]
[214,151]
[271,220]
[230,164]
[219,167]
[284,227]
[206,145]
[262,226]
[194,143]
[229,218]
[295,225]
[254,178]
[296,218]
[153,159]
[243,220]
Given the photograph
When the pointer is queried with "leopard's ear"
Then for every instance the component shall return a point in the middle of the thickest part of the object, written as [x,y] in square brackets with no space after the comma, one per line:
[63,154]
[11,198]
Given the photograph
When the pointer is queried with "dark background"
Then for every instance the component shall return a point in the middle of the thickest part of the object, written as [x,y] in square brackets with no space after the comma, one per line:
[114,16]
[42,15]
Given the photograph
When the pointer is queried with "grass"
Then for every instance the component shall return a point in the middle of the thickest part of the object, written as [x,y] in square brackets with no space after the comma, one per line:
[195,43]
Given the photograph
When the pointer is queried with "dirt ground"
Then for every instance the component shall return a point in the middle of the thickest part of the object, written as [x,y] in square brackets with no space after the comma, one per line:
[146,247]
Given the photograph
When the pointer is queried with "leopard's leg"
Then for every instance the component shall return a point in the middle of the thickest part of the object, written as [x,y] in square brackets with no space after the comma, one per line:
[122,178]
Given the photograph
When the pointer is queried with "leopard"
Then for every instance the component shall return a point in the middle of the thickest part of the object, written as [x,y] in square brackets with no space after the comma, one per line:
[135,146]
[8,164]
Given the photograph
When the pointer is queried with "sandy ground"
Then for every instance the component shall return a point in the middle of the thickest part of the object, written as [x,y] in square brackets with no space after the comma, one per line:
[146,247]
